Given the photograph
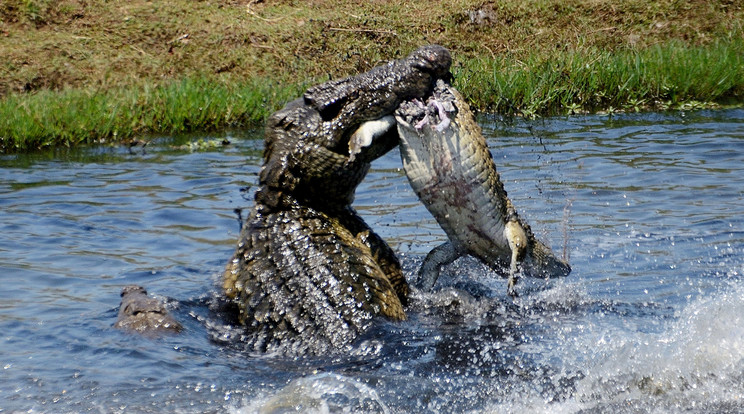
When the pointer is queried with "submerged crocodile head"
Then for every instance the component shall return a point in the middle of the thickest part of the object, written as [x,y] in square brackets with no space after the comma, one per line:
[450,168]
[144,315]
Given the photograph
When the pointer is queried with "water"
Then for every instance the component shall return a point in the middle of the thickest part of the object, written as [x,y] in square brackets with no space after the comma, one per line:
[648,207]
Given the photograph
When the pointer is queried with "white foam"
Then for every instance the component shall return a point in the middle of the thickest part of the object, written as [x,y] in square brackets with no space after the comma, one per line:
[696,361]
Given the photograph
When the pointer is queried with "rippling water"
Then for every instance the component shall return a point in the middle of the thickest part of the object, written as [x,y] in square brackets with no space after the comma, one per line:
[650,209]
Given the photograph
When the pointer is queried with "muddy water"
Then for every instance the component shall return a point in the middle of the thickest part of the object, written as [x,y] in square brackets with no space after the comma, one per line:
[650,209]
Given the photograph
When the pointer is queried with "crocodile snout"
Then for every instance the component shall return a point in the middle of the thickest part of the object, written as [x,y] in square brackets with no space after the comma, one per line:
[144,315]
[433,59]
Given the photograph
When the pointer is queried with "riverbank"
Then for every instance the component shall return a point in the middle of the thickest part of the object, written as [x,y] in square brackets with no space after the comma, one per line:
[76,72]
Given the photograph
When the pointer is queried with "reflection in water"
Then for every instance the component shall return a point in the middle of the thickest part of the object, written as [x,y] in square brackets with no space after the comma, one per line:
[649,320]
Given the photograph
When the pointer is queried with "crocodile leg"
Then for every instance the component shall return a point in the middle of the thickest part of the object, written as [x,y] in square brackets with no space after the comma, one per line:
[441,255]
[517,239]
[446,253]
[381,252]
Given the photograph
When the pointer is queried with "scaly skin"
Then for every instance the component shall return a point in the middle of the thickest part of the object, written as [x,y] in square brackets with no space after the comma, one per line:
[144,315]
[450,168]
[308,274]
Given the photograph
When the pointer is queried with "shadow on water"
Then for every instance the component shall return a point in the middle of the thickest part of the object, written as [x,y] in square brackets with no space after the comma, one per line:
[647,206]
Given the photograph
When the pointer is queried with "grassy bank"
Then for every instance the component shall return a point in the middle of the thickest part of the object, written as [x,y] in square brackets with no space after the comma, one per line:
[79,116]
[77,71]
[661,77]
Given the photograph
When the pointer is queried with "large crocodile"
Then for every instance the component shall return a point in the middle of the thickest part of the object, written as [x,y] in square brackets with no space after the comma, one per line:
[450,168]
[308,274]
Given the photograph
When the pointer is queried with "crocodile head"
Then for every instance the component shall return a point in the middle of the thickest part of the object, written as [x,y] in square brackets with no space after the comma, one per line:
[313,152]
[144,315]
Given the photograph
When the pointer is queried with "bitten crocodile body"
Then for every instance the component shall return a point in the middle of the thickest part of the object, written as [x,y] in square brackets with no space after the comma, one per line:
[308,274]
[450,168]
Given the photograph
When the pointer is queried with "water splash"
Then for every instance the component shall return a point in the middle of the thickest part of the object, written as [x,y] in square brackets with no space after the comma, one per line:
[694,363]
[319,394]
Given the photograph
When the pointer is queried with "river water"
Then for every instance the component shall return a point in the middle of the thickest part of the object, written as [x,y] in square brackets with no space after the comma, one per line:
[649,208]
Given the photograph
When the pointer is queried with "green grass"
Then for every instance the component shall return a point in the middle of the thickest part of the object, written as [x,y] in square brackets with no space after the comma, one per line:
[659,77]
[90,71]
[44,119]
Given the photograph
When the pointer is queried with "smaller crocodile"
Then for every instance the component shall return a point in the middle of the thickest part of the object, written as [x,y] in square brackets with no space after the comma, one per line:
[144,315]
[450,168]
